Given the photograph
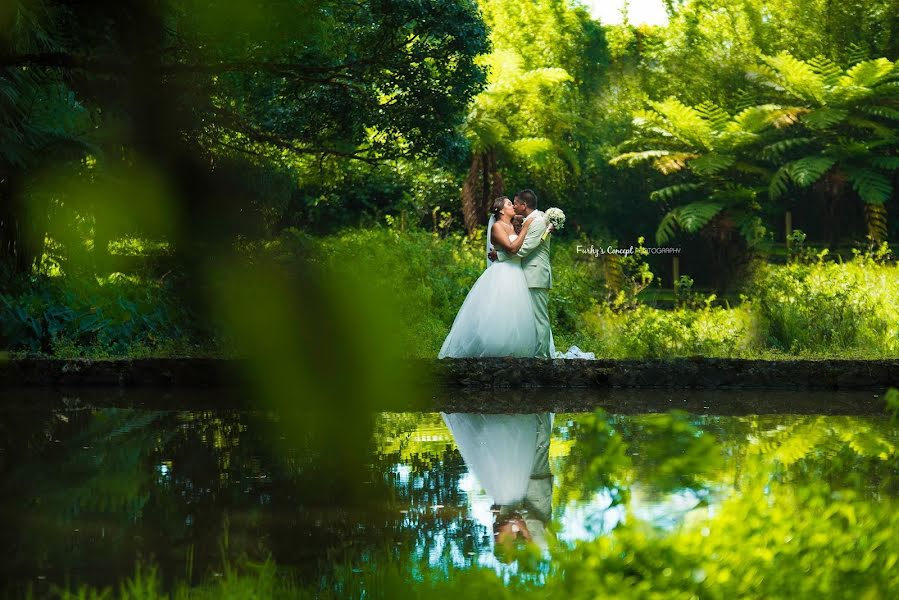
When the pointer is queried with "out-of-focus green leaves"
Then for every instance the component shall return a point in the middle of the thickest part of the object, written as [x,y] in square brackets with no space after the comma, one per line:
[597,460]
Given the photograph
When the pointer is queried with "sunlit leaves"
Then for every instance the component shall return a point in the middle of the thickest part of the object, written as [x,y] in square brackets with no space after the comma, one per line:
[867,73]
[684,122]
[795,76]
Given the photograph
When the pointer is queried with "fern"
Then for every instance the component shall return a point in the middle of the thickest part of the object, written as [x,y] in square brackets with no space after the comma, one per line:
[888,163]
[673,162]
[696,215]
[872,187]
[882,131]
[755,118]
[670,192]
[807,171]
[796,76]
[711,163]
[857,53]
[534,149]
[829,71]
[777,187]
[824,117]
[878,110]
[779,148]
[668,227]
[867,73]
[684,122]
[632,158]
[714,114]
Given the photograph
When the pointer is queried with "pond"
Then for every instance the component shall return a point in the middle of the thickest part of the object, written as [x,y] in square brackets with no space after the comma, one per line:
[89,490]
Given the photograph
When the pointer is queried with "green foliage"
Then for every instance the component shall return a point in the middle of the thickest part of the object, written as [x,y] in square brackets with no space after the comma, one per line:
[114,316]
[778,506]
[654,333]
[818,123]
[827,306]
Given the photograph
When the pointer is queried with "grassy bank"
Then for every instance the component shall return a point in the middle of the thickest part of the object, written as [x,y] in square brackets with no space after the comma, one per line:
[811,307]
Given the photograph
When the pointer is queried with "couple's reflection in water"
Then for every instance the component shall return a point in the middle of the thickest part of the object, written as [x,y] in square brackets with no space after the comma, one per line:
[509,456]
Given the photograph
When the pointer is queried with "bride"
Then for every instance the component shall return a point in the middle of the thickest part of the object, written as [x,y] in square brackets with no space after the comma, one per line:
[496,318]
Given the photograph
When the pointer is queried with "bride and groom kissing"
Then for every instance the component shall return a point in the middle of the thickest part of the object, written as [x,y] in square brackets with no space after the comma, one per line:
[506,313]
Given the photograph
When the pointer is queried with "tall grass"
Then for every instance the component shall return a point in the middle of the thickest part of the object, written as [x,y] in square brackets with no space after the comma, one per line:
[812,307]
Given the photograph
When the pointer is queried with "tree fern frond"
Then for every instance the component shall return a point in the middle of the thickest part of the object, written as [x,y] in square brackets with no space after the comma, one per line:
[734,194]
[752,169]
[788,116]
[754,118]
[824,117]
[695,216]
[882,131]
[777,187]
[829,71]
[807,171]
[878,110]
[887,163]
[857,53]
[667,193]
[777,149]
[536,149]
[673,162]
[867,73]
[632,158]
[711,163]
[685,122]
[668,226]
[872,187]
[744,98]
[714,114]
[796,76]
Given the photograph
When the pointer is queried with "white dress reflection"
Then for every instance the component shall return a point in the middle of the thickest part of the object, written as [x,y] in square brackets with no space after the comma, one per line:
[509,455]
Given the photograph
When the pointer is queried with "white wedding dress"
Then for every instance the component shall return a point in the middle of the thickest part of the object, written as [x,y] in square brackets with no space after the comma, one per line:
[496,318]
[509,456]
[499,449]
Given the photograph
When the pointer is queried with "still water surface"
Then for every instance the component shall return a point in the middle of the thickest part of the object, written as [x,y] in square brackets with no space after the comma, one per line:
[89,491]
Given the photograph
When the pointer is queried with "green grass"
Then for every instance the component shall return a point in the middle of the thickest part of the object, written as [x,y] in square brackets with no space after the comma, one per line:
[810,308]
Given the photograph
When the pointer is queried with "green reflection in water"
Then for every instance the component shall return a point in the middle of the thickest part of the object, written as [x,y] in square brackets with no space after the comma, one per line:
[671,504]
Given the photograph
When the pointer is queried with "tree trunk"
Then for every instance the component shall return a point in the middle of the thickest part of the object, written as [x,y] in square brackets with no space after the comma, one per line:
[483,184]
[20,240]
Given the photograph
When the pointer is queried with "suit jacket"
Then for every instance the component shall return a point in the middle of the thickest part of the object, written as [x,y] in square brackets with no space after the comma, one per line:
[534,254]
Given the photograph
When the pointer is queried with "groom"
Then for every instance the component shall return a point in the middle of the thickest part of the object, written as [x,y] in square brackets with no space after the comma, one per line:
[534,254]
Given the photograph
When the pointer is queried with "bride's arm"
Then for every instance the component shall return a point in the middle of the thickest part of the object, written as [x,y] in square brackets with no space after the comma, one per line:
[500,237]
[516,245]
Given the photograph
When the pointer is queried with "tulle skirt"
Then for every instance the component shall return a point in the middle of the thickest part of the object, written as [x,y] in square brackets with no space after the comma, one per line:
[497,317]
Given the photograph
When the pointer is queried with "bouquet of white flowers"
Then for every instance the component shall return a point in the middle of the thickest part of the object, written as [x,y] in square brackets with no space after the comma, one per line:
[556,218]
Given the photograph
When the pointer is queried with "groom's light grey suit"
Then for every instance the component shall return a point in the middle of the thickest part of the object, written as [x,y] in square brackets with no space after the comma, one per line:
[534,254]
